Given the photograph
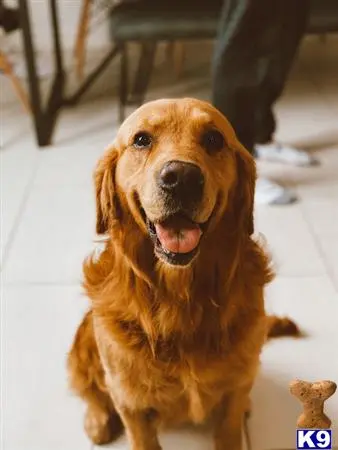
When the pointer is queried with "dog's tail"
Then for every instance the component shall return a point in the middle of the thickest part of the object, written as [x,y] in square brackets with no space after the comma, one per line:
[282,326]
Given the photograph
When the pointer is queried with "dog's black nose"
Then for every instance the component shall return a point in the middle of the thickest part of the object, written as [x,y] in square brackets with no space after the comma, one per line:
[182,180]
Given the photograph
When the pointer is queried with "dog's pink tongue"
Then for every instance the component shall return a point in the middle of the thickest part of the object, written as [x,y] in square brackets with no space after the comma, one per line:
[178,240]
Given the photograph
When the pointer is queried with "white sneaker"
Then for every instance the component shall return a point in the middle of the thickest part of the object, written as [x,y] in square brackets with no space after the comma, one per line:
[276,152]
[270,193]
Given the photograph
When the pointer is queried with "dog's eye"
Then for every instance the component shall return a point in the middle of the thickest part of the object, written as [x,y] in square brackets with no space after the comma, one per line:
[142,140]
[213,140]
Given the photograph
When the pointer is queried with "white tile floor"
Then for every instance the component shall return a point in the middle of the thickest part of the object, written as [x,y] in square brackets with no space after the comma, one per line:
[47,229]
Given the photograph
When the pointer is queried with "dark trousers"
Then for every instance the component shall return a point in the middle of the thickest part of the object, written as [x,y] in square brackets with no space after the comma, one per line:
[256,45]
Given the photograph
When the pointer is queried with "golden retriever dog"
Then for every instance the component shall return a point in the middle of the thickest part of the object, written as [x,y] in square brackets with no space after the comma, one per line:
[177,319]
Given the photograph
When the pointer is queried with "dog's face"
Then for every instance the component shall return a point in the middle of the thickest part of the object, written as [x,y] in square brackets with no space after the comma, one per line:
[176,167]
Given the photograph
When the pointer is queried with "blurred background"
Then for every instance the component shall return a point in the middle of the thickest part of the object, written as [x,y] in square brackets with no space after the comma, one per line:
[69,72]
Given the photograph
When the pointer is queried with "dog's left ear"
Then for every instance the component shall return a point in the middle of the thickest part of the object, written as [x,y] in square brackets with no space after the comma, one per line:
[244,193]
[105,192]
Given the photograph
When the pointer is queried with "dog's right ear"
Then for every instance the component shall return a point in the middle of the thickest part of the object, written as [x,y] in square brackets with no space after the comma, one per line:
[104,179]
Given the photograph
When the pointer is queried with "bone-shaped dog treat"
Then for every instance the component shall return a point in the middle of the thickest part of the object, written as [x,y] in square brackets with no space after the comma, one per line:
[313,396]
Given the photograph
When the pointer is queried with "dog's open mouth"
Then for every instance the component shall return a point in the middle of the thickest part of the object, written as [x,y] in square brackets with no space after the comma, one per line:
[176,238]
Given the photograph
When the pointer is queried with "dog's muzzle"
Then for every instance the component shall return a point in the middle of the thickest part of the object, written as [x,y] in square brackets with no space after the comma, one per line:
[181,183]
[176,236]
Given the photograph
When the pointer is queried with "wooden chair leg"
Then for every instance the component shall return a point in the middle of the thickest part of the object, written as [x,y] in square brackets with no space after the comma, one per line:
[143,72]
[169,50]
[179,58]
[7,69]
[123,88]
[175,55]
[81,38]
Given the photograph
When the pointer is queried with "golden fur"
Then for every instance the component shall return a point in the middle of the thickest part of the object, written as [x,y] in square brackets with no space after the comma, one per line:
[163,344]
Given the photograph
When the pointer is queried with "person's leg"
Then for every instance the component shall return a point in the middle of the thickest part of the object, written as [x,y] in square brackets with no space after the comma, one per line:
[247,31]
[274,69]
[235,63]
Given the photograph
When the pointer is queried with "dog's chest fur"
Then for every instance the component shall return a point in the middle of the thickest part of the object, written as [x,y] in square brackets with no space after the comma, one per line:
[183,380]
[180,349]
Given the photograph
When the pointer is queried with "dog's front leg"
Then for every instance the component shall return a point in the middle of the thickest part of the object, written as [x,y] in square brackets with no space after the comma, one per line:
[141,428]
[229,420]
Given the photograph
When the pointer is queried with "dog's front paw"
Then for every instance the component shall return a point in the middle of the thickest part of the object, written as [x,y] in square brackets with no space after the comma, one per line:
[102,427]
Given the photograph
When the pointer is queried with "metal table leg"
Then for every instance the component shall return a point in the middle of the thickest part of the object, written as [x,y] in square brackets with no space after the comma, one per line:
[44,118]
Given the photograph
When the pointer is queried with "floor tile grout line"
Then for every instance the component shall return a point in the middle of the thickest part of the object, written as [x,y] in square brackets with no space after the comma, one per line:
[17,221]
[319,249]
[14,284]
